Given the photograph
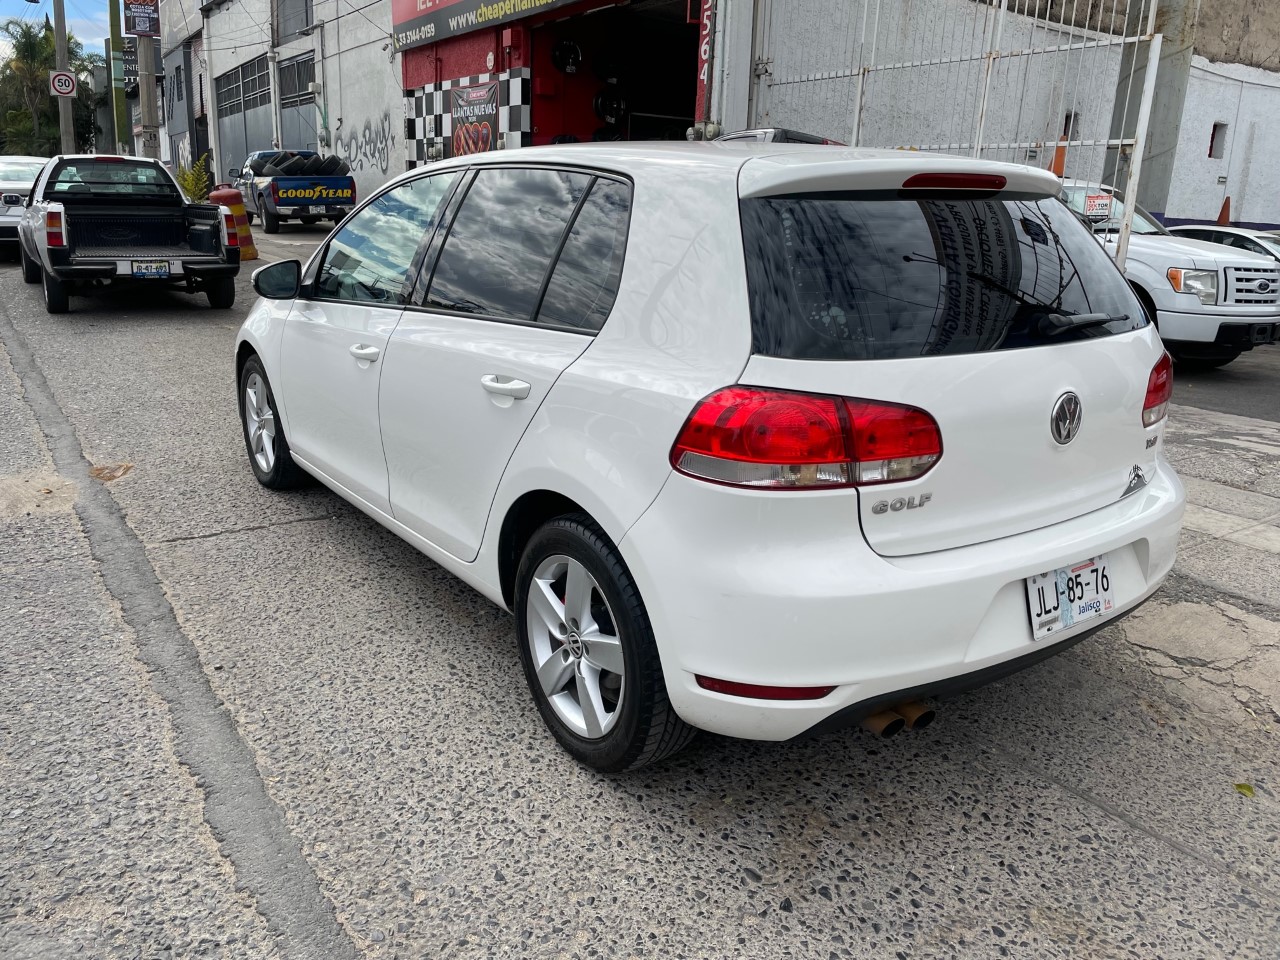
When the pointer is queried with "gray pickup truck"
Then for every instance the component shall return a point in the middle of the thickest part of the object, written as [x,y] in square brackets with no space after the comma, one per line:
[92,221]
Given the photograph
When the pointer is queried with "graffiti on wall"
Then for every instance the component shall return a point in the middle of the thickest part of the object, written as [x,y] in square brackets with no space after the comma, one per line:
[369,145]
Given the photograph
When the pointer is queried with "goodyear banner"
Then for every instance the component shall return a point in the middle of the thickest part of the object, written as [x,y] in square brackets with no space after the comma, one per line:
[474,111]
[415,22]
[339,190]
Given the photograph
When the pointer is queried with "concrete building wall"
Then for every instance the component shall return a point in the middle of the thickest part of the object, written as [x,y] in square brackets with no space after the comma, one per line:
[1239,31]
[1247,100]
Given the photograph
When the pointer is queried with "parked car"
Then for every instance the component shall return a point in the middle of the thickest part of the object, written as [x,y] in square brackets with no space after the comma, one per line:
[284,185]
[17,175]
[96,220]
[775,135]
[1211,304]
[762,442]
[1253,241]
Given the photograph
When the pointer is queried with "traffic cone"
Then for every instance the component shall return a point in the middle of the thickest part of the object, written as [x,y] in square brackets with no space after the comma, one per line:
[232,199]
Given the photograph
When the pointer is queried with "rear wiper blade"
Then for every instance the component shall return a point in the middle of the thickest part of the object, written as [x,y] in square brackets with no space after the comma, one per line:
[1055,323]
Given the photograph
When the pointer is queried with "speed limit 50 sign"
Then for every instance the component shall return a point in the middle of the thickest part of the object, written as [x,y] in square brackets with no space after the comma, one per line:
[62,83]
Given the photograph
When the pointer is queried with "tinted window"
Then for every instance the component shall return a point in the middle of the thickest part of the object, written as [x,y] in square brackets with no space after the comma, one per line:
[369,258]
[502,241]
[585,281]
[110,178]
[865,277]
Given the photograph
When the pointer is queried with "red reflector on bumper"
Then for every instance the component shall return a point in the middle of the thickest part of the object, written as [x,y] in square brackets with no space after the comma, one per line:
[760,692]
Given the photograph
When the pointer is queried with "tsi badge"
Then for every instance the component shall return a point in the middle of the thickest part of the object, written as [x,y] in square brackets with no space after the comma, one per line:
[901,503]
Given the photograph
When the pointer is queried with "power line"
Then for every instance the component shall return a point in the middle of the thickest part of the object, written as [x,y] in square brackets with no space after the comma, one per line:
[248,32]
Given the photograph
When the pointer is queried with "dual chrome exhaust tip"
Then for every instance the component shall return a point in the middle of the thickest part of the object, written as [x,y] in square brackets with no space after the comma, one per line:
[905,716]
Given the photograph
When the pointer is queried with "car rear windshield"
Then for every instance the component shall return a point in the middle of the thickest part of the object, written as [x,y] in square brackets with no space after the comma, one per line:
[109,179]
[869,276]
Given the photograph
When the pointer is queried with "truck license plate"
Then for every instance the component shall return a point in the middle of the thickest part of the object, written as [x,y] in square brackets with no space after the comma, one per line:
[150,269]
[1069,596]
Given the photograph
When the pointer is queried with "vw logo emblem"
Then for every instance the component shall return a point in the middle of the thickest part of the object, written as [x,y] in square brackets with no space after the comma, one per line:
[1064,423]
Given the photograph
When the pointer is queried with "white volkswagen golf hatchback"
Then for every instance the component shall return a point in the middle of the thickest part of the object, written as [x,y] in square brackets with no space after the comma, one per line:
[759,439]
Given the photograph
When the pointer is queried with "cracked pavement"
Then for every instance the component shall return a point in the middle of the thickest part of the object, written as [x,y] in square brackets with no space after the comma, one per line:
[242,724]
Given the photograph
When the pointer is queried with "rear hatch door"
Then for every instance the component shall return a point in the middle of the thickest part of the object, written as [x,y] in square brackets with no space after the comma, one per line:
[993,310]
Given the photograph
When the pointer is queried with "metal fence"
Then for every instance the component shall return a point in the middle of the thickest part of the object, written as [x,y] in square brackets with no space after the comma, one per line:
[1062,84]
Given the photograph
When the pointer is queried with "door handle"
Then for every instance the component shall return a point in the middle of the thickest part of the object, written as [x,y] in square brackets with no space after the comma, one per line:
[505,386]
[362,351]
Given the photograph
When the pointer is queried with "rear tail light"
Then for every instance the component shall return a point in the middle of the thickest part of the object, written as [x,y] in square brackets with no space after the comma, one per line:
[232,238]
[955,181]
[1159,390]
[756,437]
[275,192]
[53,229]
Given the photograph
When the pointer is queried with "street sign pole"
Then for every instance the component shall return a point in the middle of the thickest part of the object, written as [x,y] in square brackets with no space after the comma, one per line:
[66,125]
[148,108]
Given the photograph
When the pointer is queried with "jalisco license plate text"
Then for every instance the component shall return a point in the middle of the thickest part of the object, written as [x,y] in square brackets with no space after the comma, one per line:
[1069,596]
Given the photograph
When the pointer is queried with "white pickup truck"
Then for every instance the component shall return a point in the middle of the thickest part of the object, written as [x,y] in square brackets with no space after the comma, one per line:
[1210,302]
[95,220]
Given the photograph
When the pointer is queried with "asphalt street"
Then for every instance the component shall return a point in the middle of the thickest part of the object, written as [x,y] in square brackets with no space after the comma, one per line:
[236,723]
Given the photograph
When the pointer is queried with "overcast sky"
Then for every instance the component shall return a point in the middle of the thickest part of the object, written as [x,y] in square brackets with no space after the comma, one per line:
[86,19]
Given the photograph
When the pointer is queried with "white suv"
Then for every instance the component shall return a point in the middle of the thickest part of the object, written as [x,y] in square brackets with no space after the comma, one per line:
[758,439]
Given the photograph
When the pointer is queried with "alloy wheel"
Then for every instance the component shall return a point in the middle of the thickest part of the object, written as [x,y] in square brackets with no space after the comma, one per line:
[575,645]
[260,423]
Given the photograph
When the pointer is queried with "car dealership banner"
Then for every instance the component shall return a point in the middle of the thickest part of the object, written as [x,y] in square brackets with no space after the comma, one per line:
[415,22]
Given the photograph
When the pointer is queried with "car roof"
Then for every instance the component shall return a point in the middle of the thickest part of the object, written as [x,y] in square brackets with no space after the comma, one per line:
[772,165]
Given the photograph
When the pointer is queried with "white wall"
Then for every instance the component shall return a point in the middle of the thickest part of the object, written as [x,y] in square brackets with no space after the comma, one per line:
[1247,99]
[360,80]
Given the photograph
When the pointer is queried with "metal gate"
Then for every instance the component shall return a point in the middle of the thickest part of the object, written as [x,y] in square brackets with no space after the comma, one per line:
[1062,84]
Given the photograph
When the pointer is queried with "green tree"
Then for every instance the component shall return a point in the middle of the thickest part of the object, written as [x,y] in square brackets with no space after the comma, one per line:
[30,124]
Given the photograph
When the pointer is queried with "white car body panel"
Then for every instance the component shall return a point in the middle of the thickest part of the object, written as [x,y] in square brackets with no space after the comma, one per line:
[747,585]
[333,397]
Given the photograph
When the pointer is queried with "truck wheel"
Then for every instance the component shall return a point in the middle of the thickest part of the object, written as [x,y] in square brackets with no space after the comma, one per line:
[30,269]
[270,222]
[55,294]
[248,216]
[221,293]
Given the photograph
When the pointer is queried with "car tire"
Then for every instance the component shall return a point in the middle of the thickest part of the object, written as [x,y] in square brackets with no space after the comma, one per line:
[56,297]
[613,663]
[264,438]
[221,293]
[30,269]
[248,216]
[270,222]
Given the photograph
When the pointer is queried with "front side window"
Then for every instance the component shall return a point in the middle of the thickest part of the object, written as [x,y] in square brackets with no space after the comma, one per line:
[856,276]
[368,260]
[503,240]
[585,280]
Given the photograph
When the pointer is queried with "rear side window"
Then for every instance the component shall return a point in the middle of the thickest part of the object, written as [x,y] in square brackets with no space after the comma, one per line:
[503,240]
[585,281]
[859,276]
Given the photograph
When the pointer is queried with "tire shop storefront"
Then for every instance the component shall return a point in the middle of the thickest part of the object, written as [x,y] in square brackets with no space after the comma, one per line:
[484,76]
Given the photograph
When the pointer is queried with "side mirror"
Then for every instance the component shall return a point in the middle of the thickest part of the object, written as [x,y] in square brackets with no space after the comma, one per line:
[235,173]
[278,281]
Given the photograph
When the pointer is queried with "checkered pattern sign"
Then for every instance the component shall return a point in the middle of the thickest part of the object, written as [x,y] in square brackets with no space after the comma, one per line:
[428,122]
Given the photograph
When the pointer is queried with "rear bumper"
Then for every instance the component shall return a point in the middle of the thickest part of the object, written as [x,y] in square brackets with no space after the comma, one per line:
[122,270]
[782,590]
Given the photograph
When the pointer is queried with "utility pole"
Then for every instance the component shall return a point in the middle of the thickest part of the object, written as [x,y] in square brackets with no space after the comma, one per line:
[147,97]
[123,134]
[66,125]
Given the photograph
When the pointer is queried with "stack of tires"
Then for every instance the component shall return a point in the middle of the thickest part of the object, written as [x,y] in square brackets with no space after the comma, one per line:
[286,165]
